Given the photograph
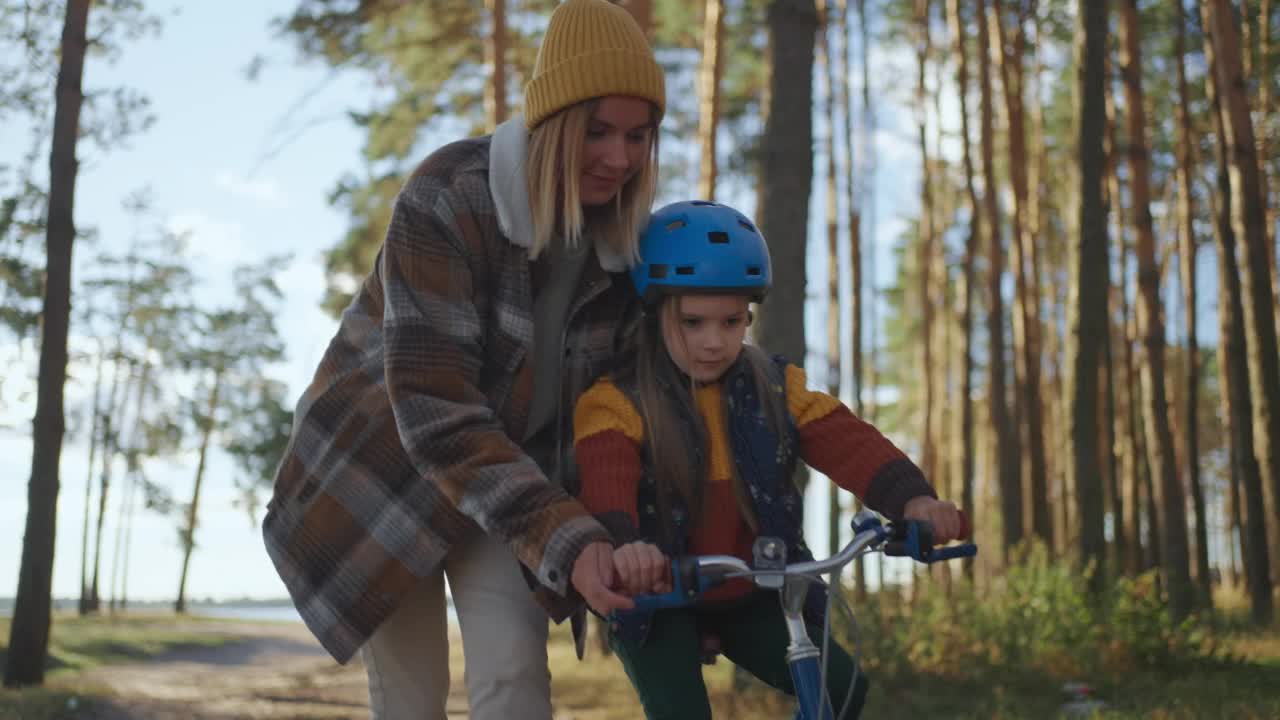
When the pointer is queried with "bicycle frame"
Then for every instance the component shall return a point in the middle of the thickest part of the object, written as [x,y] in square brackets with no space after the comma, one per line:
[691,576]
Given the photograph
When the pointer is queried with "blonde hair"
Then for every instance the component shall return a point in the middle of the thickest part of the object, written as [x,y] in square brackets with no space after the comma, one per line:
[554,168]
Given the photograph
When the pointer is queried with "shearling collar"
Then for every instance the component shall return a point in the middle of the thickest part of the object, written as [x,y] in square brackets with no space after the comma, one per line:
[508,157]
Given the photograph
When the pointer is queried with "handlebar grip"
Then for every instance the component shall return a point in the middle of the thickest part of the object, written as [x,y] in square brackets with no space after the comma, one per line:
[951,552]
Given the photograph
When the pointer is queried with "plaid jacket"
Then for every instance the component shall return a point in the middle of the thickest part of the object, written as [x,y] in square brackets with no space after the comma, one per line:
[402,444]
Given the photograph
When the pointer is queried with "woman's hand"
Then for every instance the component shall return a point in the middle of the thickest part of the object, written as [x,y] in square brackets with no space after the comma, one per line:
[594,579]
[945,518]
[642,568]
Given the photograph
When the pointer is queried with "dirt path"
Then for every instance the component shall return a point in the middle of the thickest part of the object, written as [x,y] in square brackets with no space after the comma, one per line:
[277,670]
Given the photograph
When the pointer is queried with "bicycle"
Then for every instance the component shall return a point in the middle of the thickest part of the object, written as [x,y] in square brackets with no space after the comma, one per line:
[691,576]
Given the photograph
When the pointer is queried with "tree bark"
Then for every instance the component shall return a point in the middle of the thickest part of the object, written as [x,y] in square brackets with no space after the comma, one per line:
[787,172]
[1026,314]
[1008,453]
[826,62]
[1088,321]
[495,57]
[85,604]
[1248,221]
[1187,253]
[928,435]
[709,72]
[193,510]
[969,276]
[29,630]
[1233,339]
[1159,437]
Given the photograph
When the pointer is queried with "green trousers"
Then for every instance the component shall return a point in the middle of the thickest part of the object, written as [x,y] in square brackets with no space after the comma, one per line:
[666,670]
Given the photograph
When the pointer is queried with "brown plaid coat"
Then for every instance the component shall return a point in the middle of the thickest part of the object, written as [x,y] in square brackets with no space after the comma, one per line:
[402,444]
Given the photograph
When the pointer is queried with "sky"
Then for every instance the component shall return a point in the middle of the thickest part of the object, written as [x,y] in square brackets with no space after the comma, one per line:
[245,168]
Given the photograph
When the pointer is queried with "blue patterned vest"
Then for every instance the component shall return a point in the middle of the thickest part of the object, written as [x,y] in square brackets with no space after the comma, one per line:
[765,462]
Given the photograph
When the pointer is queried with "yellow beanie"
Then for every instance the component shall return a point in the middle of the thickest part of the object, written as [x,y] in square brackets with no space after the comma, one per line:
[592,48]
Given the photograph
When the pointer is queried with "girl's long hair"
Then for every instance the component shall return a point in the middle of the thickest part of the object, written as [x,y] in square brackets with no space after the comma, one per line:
[553,172]
[665,395]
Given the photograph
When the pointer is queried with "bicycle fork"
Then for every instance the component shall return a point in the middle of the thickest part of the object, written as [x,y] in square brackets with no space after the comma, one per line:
[803,657]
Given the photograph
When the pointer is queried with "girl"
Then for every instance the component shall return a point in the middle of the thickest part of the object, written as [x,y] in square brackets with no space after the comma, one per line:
[689,448]
[434,438]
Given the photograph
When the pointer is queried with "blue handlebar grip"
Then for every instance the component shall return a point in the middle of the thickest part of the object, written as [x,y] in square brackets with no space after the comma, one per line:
[687,583]
[952,552]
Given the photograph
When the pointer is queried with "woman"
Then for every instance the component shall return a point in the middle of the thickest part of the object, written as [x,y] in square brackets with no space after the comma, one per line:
[435,439]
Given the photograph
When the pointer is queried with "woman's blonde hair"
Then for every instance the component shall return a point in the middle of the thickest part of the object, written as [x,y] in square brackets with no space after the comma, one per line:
[555,164]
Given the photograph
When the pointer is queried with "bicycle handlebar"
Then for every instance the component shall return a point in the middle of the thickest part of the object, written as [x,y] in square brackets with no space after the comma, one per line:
[692,575]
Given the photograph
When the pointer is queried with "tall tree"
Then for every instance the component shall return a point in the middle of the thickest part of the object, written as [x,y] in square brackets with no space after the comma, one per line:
[1187,254]
[85,605]
[1008,451]
[965,449]
[786,171]
[1026,314]
[495,57]
[1248,220]
[925,253]
[29,631]
[827,60]
[1248,512]
[709,72]
[1156,416]
[1087,308]
[844,24]
[236,343]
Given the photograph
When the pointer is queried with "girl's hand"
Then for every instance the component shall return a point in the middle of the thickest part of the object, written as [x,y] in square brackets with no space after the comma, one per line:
[642,568]
[943,515]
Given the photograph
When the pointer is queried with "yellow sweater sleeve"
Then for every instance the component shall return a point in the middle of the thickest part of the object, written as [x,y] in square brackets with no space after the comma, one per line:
[806,405]
[604,407]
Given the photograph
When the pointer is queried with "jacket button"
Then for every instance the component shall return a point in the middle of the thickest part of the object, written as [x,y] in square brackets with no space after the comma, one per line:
[553,575]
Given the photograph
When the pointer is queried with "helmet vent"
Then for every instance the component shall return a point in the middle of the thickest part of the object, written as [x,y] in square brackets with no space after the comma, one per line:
[753,270]
[675,224]
[657,272]
[746,225]
[684,269]
[718,237]
[701,202]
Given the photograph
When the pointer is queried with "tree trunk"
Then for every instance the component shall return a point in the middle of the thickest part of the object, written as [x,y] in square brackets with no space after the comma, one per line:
[1088,321]
[968,278]
[193,511]
[29,630]
[866,219]
[1115,484]
[787,172]
[924,271]
[1026,315]
[709,72]
[137,435]
[852,198]
[827,58]
[1235,372]
[843,24]
[1248,221]
[85,605]
[642,11]
[1159,437]
[495,57]
[1008,455]
[1131,559]
[1187,253]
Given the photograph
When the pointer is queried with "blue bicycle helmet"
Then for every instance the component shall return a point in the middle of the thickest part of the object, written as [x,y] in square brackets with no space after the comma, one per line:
[703,247]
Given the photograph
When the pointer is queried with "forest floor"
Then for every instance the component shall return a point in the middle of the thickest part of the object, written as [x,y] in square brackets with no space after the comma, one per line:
[159,666]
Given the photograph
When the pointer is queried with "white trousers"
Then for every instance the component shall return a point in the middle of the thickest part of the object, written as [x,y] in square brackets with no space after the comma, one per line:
[504,641]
